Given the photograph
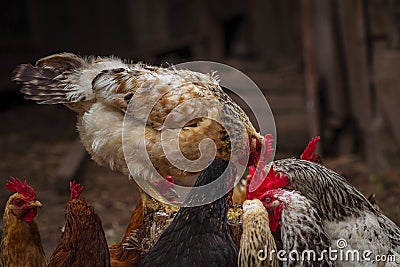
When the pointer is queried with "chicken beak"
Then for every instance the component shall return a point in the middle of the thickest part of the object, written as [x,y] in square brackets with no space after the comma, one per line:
[35,204]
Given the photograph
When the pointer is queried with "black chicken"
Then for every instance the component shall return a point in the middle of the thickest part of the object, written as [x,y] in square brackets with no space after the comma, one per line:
[198,236]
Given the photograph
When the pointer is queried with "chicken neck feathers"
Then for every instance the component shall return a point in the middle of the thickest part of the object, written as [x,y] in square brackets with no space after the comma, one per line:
[302,230]
[256,236]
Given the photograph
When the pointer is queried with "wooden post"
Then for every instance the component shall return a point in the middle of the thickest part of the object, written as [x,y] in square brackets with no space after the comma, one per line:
[310,70]
[354,37]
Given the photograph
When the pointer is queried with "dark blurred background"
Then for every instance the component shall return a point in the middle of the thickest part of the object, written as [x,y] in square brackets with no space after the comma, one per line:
[327,67]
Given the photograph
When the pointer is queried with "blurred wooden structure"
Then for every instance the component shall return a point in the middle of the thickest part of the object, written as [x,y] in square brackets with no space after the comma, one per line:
[358,71]
[327,67]
[266,48]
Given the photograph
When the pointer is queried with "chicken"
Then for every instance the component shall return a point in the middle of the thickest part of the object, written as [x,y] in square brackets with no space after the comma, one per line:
[21,244]
[153,100]
[301,228]
[149,219]
[344,211]
[83,242]
[257,245]
[198,235]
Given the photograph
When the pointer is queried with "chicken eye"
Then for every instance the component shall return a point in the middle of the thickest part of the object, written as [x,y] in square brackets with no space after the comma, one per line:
[267,199]
[18,202]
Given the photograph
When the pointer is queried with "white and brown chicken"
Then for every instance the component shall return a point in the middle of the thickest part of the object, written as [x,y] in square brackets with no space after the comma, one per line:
[99,90]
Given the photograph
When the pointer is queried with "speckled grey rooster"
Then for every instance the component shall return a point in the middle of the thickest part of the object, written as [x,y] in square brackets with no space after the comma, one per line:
[345,213]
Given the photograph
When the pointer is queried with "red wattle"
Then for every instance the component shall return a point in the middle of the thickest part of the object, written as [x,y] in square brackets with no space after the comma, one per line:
[30,215]
[273,223]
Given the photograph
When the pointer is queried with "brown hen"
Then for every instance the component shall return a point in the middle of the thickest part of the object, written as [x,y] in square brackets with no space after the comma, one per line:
[83,242]
[21,244]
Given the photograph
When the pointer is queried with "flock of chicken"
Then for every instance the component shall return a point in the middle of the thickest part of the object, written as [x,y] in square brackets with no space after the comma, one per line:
[290,212]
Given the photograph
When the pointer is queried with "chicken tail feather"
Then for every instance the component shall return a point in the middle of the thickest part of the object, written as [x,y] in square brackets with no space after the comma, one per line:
[54,80]
[39,84]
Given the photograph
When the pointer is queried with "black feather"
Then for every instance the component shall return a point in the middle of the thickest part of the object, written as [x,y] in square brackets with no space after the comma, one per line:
[198,236]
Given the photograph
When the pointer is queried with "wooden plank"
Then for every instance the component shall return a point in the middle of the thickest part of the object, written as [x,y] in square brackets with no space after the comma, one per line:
[310,74]
[293,122]
[287,103]
[292,135]
[386,77]
[354,37]
[278,81]
[280,103]
[331,81]
[275,32]
[382,21]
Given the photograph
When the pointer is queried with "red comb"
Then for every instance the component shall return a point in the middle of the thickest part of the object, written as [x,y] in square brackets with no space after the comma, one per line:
[308,153]
[260,181]
[75,189]
[24,189]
